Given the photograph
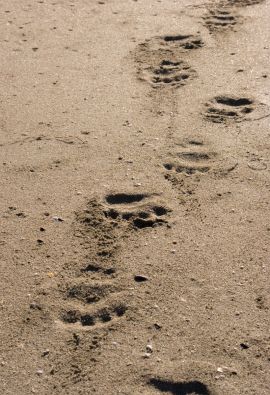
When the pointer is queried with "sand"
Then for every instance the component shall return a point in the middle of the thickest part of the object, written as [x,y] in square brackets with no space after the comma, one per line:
[134,202]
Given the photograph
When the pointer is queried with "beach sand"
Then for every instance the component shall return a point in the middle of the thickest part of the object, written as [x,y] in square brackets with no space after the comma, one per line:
[134,204]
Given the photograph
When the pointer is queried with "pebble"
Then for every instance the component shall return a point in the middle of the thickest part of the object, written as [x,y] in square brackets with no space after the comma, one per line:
[157,326]
[39,372]
[149,348]
[57,219]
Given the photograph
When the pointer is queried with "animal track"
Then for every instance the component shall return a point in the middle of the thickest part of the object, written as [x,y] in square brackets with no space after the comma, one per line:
[138,216]
[220,19]
[159,60]
[187,164]
[191,161]
[101,224]
[224,108]
[168,73]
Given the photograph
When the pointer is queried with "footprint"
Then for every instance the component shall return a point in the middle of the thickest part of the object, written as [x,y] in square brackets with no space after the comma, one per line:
[225,108]
[180,388]
[142,214]
[91,304]
[101,224]
[220,19]
[168,73]
[189,161]
[159,60]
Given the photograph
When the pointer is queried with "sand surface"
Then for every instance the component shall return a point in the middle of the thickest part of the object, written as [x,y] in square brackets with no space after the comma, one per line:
[135,228]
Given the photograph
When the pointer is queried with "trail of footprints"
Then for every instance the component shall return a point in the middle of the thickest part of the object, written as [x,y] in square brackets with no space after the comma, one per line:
[95,297]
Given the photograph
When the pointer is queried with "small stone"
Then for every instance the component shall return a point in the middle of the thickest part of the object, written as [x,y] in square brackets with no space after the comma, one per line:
[45,353]
[149,348]
[57,219]
[244,346]
[157,326]
[40,371]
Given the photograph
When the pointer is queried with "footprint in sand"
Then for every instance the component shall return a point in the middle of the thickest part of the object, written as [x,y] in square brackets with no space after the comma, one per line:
[137,211]
[94,299]
[221,19]
[190,160]
[191,157]
[159,60]
[169,72]
[222,109]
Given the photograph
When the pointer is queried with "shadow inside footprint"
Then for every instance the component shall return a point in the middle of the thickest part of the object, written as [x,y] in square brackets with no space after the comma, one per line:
[185,388]
[125,198]
[234,102]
